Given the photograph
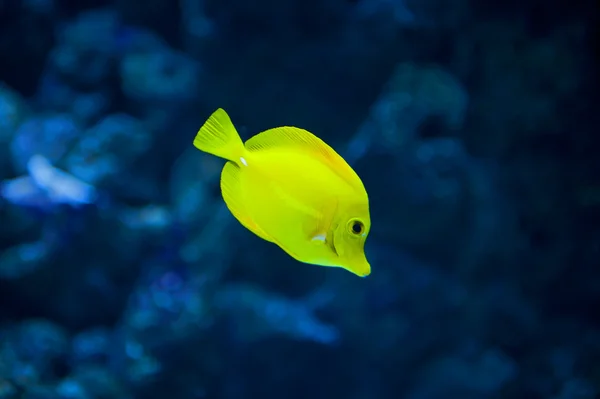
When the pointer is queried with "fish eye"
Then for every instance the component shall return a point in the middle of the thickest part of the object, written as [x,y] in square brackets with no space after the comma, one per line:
[356,227]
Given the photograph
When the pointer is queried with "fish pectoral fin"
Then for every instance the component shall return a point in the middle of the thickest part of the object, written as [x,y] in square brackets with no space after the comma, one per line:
[232,195]
[320,228]
[322,239]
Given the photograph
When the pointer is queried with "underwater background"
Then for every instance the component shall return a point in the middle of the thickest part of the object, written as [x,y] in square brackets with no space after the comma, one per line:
[473,125]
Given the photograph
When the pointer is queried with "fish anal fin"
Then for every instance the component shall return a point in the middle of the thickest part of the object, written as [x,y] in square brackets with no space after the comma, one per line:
[233,197]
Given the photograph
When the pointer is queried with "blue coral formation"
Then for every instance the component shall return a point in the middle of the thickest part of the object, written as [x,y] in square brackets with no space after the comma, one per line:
[123,275]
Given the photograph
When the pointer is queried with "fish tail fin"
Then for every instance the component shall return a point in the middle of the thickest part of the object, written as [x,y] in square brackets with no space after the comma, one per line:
[219,137]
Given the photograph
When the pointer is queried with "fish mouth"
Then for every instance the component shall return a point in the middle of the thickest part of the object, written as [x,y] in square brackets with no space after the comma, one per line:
[358,268]
[362,269]
[366,272]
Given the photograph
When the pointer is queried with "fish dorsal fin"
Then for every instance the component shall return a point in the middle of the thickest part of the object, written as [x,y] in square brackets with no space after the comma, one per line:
[300,139]
[233,197]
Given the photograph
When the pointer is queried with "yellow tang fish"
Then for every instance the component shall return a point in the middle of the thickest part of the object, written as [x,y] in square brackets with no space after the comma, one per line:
[290,188]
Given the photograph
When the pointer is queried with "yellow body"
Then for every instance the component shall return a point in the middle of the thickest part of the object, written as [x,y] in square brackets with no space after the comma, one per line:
[290,188]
